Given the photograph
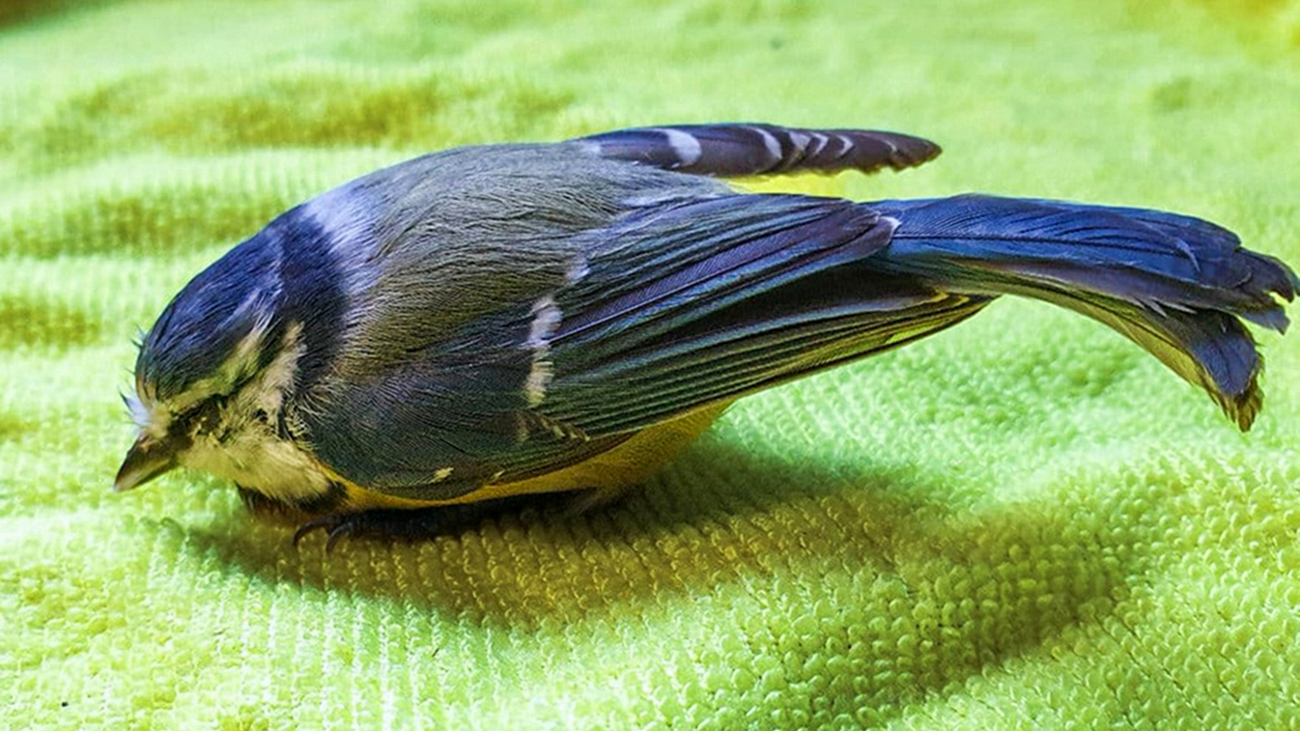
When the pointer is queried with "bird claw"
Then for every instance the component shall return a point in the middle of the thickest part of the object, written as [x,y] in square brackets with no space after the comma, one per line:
[335,526]
[425,523]
[386,524]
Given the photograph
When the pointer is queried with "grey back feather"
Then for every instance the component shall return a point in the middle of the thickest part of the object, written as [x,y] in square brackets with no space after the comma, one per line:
[456,240]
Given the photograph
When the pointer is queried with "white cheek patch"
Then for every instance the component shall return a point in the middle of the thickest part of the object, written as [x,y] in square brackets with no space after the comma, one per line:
[247,451]
[261,462]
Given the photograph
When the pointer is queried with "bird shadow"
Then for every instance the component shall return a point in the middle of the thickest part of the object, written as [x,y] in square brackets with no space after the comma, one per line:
[996,581]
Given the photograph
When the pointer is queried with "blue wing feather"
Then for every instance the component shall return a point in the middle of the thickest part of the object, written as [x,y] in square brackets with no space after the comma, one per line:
[736,150]
[689,301]
[661,286]
[1175,285]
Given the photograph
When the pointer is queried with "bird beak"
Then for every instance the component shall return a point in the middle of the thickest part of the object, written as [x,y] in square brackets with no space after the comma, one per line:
[147,459]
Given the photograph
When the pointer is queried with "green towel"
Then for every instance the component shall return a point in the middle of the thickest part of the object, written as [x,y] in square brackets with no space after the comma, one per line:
[1023,522]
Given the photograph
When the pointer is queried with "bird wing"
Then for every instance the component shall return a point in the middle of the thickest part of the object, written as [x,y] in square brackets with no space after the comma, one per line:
[738,150]
[677,305]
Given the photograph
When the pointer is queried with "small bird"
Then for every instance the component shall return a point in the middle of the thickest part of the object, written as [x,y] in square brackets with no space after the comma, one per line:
[514,319]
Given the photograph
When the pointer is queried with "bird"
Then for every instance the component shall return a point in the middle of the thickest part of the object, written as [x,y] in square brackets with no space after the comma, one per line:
[504,320]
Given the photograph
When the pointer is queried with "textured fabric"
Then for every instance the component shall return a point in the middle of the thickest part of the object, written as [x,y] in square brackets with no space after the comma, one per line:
[1022,522]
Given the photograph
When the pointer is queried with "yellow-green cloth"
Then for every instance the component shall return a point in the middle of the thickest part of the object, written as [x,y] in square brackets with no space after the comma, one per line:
[1024,522]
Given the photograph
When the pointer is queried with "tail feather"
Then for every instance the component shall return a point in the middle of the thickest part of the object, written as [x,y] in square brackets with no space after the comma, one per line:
[1173,284]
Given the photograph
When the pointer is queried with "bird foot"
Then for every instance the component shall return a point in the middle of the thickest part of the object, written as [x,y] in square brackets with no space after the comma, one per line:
[418,524]
[407,525]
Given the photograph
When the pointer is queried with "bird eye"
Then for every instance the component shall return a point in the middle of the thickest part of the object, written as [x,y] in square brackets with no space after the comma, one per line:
[203,418]
[261,416]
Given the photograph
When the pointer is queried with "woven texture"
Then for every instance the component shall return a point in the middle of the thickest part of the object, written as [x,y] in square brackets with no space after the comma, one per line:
[1021,522]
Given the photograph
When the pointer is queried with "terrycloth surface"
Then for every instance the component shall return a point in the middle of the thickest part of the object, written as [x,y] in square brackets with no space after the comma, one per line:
[1023,522]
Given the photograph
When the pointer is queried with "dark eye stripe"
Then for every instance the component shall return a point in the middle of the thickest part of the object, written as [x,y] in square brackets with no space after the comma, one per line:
[203,417]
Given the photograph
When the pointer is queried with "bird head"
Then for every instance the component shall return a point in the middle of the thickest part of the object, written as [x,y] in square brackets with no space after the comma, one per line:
[200,375]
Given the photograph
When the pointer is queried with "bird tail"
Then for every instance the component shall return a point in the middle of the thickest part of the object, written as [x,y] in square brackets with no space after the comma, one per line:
[1177,286]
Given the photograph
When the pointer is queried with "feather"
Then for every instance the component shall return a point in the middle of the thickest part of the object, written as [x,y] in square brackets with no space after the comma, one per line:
[1173,284]
[737,150]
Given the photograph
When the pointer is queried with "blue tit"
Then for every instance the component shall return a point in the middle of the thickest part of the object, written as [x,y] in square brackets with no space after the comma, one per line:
[514,319]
